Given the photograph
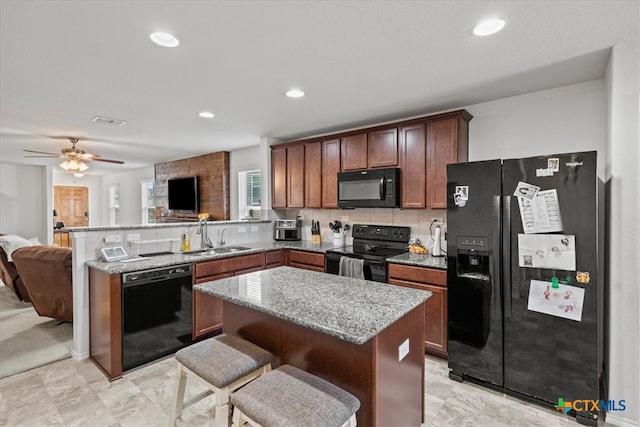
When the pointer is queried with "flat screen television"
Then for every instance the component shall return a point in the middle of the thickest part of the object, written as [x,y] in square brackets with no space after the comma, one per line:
[183,194]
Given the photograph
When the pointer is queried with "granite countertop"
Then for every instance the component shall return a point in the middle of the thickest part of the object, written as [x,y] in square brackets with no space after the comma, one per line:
[420,260]
[353,310]
[187,258]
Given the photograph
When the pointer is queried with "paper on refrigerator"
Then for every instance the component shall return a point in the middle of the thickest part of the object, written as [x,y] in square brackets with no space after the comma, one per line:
[541,214]
[553,251]
[564,301]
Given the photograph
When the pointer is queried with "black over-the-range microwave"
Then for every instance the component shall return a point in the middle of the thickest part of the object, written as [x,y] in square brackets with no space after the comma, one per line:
[371,188]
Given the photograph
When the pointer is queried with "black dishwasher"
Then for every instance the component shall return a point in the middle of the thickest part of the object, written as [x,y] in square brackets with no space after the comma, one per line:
[156,313]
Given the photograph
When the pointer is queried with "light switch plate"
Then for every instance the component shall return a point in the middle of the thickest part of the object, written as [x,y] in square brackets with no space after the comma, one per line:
[112,238]
[403,350]
[242,229]
[133,237]
[254,228]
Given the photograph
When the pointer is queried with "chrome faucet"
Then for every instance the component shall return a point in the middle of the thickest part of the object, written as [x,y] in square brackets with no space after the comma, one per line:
[221,241]
[203,231]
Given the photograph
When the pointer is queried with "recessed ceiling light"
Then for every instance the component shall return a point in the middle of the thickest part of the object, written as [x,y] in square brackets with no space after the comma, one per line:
[164,39]
[488,27]
[206,114]
[295,93]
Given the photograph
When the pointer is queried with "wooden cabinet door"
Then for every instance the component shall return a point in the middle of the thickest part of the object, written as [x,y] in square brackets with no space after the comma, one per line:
[313,175]
[413,163]
[279,177]
[382,146]
[447,142]
[330,169]
[435,318]
[354,152]
[295,176]
[207,313]
[275,259]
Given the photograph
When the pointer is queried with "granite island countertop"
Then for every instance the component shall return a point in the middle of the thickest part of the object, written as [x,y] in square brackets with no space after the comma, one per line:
[187,258]
[353,310]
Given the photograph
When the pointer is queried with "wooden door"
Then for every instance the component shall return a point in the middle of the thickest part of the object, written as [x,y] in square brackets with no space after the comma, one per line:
[313,175]
[383,148]
[72,205]
[413,165]
[330,169]
[354,152]
[279,177]
[295,176]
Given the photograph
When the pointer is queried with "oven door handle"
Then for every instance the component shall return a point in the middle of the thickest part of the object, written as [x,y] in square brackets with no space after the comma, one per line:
[383,192]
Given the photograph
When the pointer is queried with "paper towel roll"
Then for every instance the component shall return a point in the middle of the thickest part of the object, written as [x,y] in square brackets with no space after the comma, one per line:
[436,241]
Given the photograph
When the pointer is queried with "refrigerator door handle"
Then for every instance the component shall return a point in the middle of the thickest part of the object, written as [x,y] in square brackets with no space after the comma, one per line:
[506,255]
[495,250]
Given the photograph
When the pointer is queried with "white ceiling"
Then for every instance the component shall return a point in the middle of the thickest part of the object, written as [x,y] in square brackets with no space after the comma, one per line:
[360,62]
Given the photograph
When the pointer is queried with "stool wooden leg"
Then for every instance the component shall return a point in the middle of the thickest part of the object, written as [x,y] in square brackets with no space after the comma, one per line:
[222,408]
[181,382]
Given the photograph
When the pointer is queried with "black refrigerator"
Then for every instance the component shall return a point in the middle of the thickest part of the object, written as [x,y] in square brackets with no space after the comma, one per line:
[524,299]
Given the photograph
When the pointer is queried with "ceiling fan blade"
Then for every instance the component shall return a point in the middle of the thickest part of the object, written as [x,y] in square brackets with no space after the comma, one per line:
[43,157]
[88,156]
[41,152]
[100,159]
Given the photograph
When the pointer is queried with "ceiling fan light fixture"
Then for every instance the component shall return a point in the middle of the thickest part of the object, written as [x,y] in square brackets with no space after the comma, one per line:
[164,39]
[73,165]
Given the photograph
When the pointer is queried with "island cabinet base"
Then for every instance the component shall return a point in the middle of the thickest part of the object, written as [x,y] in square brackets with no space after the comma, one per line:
[391,392]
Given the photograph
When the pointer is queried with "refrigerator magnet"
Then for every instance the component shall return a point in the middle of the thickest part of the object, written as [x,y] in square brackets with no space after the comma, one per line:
[461,195]
[583,277]
[553,164]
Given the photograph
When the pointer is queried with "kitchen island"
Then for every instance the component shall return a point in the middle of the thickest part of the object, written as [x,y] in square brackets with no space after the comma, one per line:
[365,337]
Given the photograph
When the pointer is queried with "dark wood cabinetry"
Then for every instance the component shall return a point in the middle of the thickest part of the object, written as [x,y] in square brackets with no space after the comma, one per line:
[273,259]
[435,307]
[207,309]
[62,239]
[330,169]
[279,177]
[353,152]
[313,174]
[447,142]
[382,147]
[306,260]
[413,163]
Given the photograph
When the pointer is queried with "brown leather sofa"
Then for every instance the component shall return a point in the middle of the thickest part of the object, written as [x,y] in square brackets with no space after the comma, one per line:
[11,278]
[46,272]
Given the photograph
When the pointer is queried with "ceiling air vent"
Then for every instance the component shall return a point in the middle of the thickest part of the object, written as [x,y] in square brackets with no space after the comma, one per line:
[108,121]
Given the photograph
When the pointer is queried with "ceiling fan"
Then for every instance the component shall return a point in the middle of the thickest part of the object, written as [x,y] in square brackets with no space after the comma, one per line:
[74,158]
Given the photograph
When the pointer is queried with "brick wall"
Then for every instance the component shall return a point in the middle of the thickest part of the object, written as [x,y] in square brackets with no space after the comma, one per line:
[213,180]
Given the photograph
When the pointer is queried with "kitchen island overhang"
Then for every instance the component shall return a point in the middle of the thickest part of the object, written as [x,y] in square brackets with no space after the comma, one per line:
[366,337]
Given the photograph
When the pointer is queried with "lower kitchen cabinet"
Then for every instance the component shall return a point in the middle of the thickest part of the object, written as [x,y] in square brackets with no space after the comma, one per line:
[306,260]
[433,280]
[273,259]
[207,309]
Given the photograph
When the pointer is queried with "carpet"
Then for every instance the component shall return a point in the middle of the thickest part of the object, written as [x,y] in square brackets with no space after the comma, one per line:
[28,340]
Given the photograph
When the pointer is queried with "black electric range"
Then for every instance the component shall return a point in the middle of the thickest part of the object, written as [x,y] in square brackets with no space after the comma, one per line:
[373,244]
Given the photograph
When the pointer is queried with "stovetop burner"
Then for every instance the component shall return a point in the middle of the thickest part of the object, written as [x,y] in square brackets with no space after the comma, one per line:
[379,241]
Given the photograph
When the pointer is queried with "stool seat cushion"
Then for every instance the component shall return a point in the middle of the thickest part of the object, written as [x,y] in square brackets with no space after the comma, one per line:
[223,359]
[288,396]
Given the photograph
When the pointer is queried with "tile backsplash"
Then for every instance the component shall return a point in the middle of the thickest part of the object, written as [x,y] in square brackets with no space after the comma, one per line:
[418,219]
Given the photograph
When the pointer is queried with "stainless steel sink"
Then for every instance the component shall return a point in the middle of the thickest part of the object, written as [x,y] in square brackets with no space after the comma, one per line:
[222,250]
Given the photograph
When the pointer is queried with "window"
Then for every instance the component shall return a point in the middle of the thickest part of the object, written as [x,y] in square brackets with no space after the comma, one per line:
[114,205]
[249,187]
[148,202]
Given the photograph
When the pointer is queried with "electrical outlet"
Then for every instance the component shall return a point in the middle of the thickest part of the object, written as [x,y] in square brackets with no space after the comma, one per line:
[112,238]
[345,218]
[242,229]
[254,228]
[403,350]
[133,237]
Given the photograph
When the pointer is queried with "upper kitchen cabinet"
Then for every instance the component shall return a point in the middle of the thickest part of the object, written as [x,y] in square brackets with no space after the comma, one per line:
[295,176]
[313,174]
[279,177]
[287,176]
[330,169]
[382,146]
[447,142]
[354,152]
[413,164]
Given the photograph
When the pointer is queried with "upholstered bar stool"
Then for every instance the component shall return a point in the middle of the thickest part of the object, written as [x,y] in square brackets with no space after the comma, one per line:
[224,364]
[290,397]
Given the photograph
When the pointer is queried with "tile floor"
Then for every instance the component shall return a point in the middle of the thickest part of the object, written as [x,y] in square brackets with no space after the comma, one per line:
[68,393]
